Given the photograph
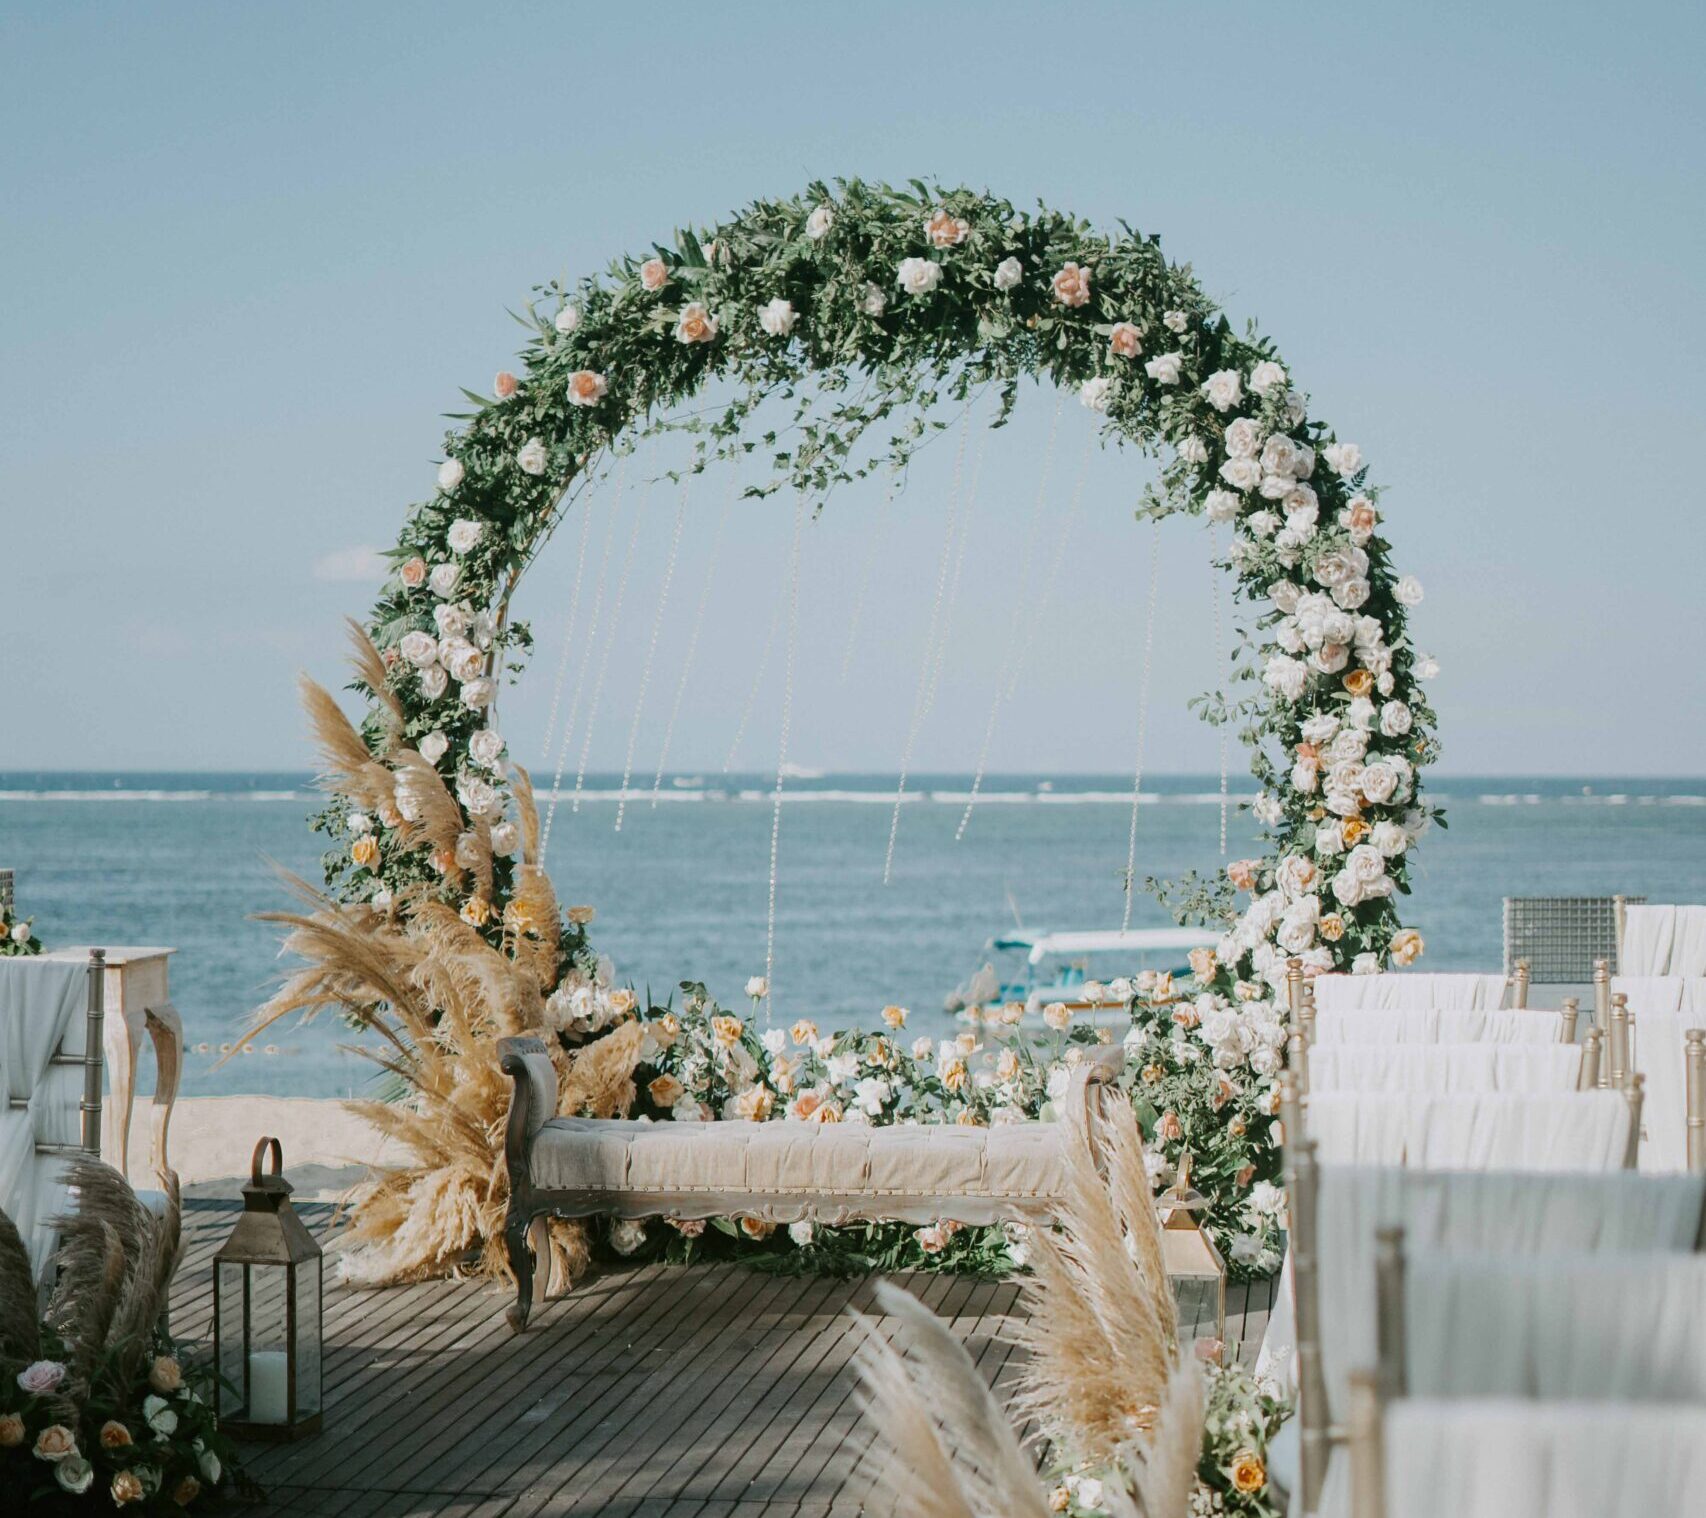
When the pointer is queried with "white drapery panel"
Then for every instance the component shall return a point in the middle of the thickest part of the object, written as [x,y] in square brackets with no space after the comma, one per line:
[1495,1212]
[1504,1459]
[1433,1025]
[1628,1327]
[1445,1069]
[43,1012]
[1586,1130]
[1408,989]
[1662,993]
[1664,940]
[1659,1044]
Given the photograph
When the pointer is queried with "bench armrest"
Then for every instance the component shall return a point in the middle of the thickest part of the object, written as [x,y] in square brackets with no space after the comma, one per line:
[534,1104]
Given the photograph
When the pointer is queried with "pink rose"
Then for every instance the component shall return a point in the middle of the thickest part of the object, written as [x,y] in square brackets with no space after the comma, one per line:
[1124,341]
[654,274]
[946,230]
[1242,874]
[41,1378]
[1072,286]
[587,387]
[414,573]
[1169,1126]
[505,385]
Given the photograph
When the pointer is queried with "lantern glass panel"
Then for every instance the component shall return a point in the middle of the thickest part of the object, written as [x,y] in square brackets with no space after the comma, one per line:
[307,1337]
[231,1282]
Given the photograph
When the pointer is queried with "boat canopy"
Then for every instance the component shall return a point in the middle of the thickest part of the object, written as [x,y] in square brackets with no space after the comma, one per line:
[1038,946]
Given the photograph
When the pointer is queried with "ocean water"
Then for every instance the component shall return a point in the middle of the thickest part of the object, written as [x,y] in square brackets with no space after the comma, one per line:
[682,891]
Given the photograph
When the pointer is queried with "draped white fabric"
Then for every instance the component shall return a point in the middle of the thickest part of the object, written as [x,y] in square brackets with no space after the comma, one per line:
[1659,1043]
[1688,950]
[1434,1025]
[1496,1212]
[1586,1130]
[43,1006]
[1409,989]
[1630,1327]
[1444,1068]
[1500,1459]
[1664,940]
[1662,993]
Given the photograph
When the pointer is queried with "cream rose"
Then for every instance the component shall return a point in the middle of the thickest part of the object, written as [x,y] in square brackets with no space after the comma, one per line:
[1165,368]
[918,276]
[1223,389]
[1344,459]
[1193,450]
[1125,341]
[413,574]
[55,1442]
[74,1474]
[1241,474]
[432,747]
[1008,273]
[1095,393]
[819,223]
[1244,438]
[777,318]
[1408,591]
[1220,505]
[532,457]
[1266,376]
[654,274]
[464,534]
[696,324]
[450,474]
[567,319]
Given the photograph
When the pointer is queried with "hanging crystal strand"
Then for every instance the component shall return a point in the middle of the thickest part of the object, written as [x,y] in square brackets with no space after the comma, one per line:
[969,502]
[586,650]
[921,693]
[609,647]
[872,555]
[652,648]
[752,691]
[1220,665]
[1016,623]
[693,637]
[1142,719]
[782,752]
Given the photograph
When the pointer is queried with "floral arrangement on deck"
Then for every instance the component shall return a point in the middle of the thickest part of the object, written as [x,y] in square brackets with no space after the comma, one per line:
[17,935]
[98,1407]
[867,305]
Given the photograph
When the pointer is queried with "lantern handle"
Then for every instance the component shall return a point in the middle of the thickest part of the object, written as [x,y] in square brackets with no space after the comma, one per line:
[277,1160]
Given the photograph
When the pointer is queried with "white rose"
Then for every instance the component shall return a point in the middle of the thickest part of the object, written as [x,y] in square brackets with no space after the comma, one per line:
[1301,524]
[1305,775]
[1330,658]
[158,1415]
[1094,393]
[433,747]
[1366,964]
[1426,667]
[1275,487]
[1286,676]
[419,648]
[627,1235]
[450,474]
[479,693]
[1267,809]
[506,838]
[1220,506]
[1334,567]
[359,822]
[778,317]
[1320,728]
[1175,321]
[75,1474]
[1395,719]
[1408,591]
[1389,838]
[1350,744]
[1347,889]
[1351,594]
[532,457]
[1262,523]
[1266,376]
[483,629]
[876,300]
[451,618]
[477,796]
[871,1093]
[1241,474]
[1279,456]
[1330,838]
[1224,389]
[1365,863]
[1244,438]
[485,746]
[757,987]
[1379,781]
[1295,875]
[1343,459]
[434,682]
[1361,713]
[1165,368]
[443,580]
[1297,928]
[568,319]
[1285,595]
[801,1232]
[1290,637]
[1008,273]
[467,851]
[819,223]
[918,276]
[1193,450]
[463,535]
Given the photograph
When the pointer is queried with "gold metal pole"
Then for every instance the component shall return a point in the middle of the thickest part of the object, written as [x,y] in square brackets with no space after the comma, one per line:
[1619,1041]
[1633,1094]
[94,1051]
[1570,1014]
[1591,1052]
[1367,1447]
[1519,997]
[1694,1043]
[1602,1006]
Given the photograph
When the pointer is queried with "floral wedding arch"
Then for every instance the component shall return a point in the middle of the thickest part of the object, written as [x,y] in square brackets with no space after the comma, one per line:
[867,306]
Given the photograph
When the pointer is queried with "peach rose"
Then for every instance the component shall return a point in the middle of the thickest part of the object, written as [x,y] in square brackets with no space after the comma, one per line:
[755,1102]
[1186,1016]
[587,387]
[666,1091]
[1072,286]
[1124,341]
[505,385]
[654,274]
[1354,830]
[55,1442]
[1359,682]
[114,1435]
[1162,991]
[1242,874]
[413,574]
[186,1491]
[1244,1177]
[1152,1074]
[1360,515]
[1203,963]
[829,1112]
[946,230]
[804,1031]
[727,1030]
[756,1228]
[11,1430]
[969,1119]
[165,1375]
[953,1073]
[804,1106]
[1308,750]
[696,325]
[1407,947]
[1248,1472]
[1169,1126]
[666,1029]
[365,851]
[1331,927]
[127,1487]
[1236,1126]
[623,1001]
[895,1017]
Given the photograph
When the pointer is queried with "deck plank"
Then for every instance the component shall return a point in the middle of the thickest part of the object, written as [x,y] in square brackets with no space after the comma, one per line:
[651,1391]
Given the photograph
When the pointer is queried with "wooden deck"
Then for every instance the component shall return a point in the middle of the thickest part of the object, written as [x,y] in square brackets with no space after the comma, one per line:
[713,1390]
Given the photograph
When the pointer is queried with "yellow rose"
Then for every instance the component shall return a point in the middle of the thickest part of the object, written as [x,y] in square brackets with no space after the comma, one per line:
[1354,830]
[1407,946]
[727,1030]
[666,1029]
[895,1017]
[1331,927]
[953,1073]
[1359,682]
[666,1091]
[365,851]
[127,1487]
[1248,1472]
[804,1032]
[754,1103]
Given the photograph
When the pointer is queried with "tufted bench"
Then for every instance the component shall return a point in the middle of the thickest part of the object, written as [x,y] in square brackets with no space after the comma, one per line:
[781,1172]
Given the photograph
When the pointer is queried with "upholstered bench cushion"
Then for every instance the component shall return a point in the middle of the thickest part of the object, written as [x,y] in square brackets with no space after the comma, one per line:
[1021,1161]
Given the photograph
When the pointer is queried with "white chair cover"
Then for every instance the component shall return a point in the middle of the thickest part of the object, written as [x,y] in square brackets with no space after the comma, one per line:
[1409,989]
[1498,1459]
[1446,1069]
[1434,1025]
[1630,1327]
[1659,1046]
[1650,993]
[1688,952]
[1648,933]
[1497,1212]
[1578,1130]
[43,1007]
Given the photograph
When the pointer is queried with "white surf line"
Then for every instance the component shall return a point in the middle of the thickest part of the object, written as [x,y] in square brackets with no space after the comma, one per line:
[587,647]
[1142,715]
[1033,540]
[782,755]
[609,646]
[920,695]
[698,626]
[652,647]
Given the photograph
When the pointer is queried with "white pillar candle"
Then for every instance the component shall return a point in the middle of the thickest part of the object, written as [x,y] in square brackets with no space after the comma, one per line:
[269,1386]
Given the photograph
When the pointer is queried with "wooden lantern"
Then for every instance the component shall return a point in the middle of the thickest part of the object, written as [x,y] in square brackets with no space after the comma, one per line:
[1186,1249]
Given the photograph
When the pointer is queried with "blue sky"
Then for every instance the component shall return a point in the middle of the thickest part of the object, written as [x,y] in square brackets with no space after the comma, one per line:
[251,252]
